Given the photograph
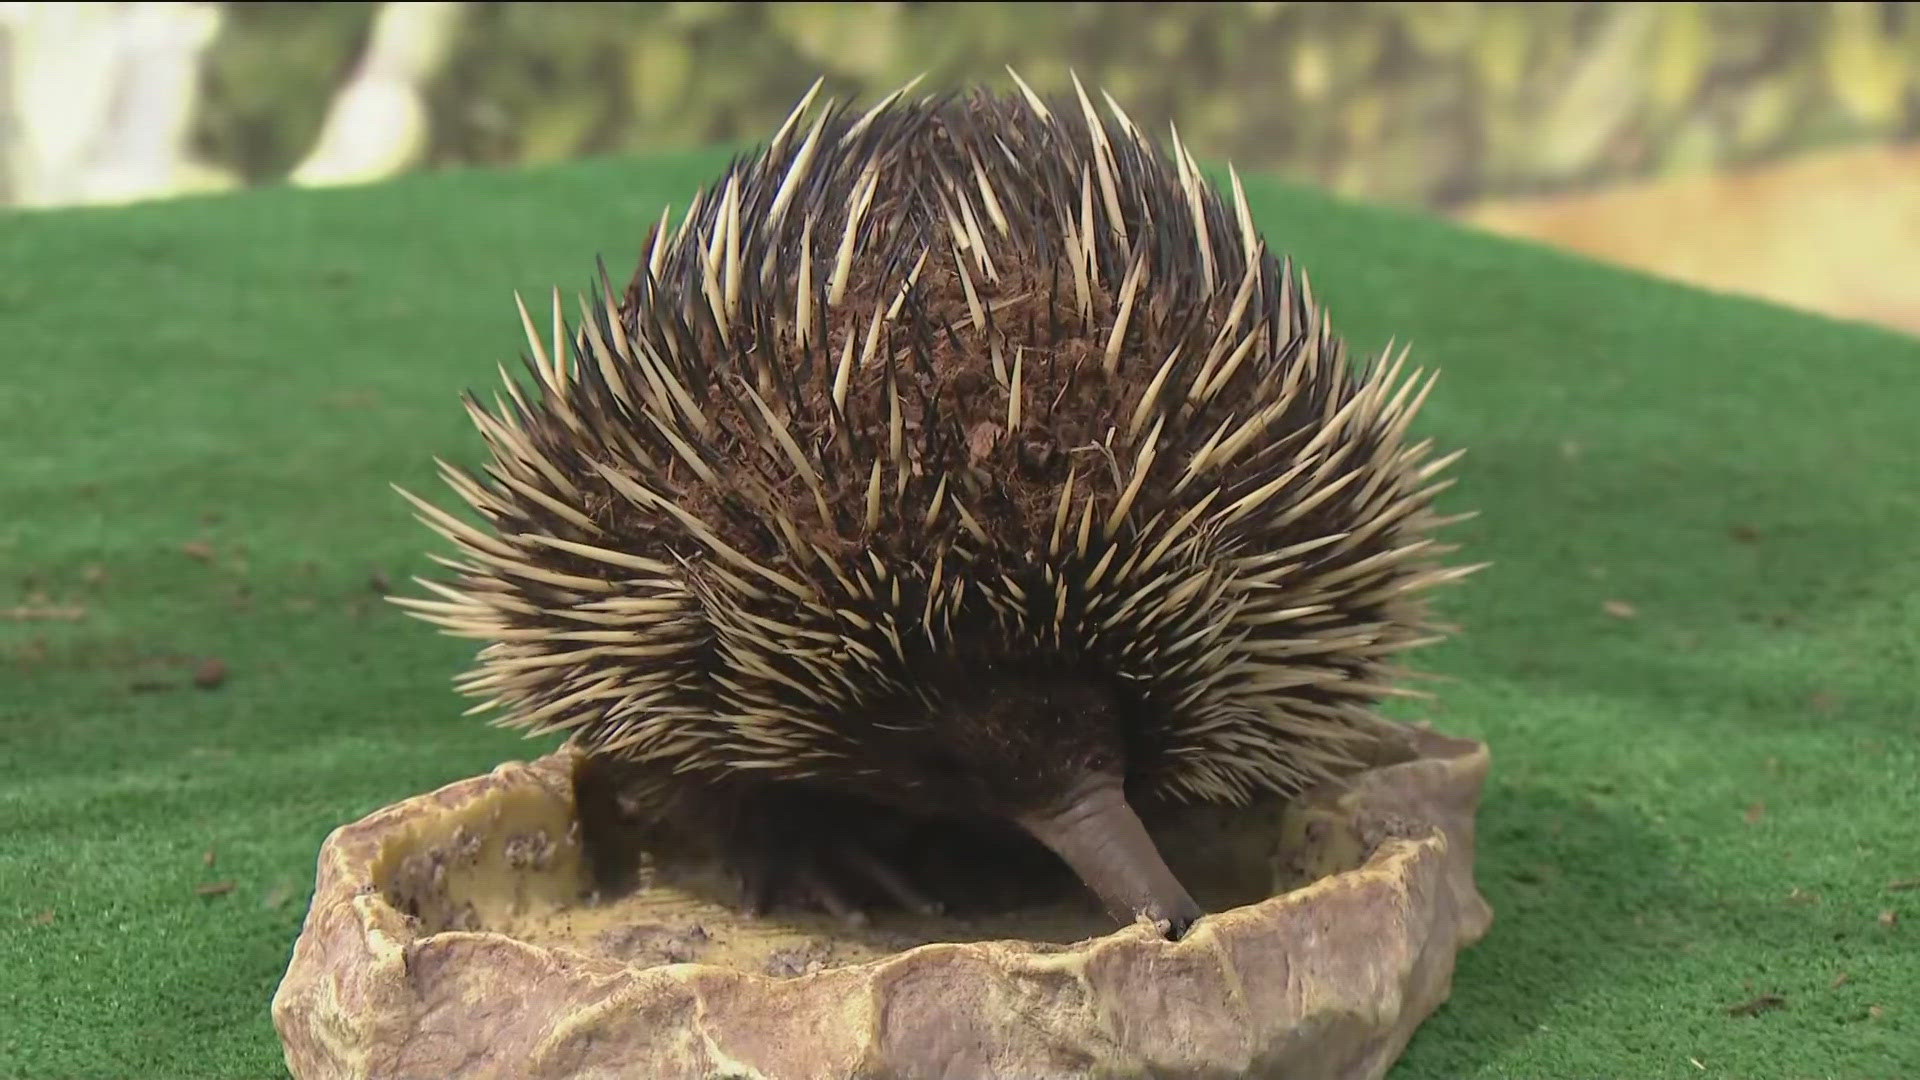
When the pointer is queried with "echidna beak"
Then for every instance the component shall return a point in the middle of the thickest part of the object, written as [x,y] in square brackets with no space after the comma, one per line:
[1102,839]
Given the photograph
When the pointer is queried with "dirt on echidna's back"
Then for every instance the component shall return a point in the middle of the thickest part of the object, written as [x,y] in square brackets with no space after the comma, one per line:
[1011,484]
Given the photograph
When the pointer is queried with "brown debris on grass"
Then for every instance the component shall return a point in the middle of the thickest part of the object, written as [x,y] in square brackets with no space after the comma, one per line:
[211,674]
[1763,1003]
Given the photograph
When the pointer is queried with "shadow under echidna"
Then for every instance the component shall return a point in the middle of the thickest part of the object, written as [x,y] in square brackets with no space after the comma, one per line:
[964,463]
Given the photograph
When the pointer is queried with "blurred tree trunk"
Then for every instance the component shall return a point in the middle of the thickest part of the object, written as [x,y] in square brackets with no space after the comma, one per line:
[377,125]
[100,100]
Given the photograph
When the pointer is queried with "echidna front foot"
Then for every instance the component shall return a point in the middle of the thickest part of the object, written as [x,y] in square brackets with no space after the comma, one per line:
[841,879]
[788,856]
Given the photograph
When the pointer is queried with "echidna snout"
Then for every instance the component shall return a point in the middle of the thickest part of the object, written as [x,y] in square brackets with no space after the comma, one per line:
[1102,839]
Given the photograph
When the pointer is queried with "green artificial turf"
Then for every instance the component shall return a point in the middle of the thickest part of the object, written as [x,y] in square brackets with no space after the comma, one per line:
[1694,807]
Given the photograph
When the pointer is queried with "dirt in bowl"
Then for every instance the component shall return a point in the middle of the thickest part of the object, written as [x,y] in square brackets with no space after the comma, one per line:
[514,865]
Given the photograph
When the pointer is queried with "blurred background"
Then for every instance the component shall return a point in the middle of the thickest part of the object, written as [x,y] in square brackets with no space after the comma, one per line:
[1766,149]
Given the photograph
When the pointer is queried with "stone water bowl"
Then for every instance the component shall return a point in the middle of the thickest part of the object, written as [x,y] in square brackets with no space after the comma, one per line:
[452,935]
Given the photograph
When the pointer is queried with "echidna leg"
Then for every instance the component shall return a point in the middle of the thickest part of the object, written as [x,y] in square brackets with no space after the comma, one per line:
[606,824]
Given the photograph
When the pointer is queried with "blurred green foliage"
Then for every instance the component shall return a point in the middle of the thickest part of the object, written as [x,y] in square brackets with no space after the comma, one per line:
[1421,102]
[268,79]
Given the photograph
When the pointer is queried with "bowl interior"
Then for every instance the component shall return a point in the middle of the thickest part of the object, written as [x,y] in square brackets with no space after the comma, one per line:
[511,863]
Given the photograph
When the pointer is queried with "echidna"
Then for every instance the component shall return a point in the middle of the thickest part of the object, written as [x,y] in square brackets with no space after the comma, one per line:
[967,457]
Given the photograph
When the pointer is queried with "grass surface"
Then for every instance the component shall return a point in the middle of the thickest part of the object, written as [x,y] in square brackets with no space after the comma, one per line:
[203,403]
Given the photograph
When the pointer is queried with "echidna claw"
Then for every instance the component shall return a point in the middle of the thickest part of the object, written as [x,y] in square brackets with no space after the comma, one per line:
[889,880]
[756,895]
[824,893]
